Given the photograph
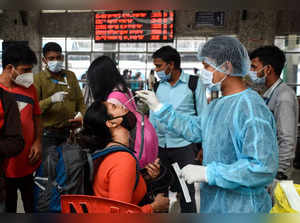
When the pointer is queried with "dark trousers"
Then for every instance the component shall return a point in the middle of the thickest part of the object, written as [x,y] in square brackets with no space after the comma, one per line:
[25,185]
[183,156]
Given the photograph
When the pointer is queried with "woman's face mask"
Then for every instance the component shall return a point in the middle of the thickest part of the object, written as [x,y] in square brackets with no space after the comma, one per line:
[129,120]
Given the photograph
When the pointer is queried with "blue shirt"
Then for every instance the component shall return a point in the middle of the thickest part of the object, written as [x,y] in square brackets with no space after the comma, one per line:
[180,97]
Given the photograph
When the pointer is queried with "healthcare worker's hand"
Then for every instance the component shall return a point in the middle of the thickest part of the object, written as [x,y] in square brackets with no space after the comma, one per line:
[150,99]
[193,173]
[58,96]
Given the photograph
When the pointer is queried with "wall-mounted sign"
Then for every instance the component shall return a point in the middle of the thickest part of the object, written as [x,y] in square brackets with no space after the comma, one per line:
[134,26]
[209,18]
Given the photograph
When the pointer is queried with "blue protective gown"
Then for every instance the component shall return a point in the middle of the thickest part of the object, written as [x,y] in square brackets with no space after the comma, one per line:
[238,135]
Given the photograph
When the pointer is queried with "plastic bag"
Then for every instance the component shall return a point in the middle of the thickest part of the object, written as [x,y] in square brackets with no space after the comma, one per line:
[286,197]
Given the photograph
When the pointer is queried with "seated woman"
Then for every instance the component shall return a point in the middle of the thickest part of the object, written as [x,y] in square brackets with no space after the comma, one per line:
[107,84]
[106,125]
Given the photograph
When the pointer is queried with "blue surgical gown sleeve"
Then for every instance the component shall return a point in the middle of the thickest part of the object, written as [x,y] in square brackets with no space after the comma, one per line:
[257,161]
[189,127]
[201,100]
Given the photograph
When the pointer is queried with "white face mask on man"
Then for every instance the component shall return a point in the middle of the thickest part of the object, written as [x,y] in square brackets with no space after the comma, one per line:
[207,78]
[55,66]
[25,79]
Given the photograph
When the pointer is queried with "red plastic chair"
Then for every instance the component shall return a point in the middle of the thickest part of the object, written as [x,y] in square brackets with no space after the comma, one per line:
[81,204]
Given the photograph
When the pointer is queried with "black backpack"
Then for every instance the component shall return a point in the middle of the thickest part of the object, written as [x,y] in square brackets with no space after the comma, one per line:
[68,169]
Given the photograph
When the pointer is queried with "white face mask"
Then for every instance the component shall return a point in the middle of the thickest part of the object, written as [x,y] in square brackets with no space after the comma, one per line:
[255,78]
[55,66]
[207,79]
[25,80]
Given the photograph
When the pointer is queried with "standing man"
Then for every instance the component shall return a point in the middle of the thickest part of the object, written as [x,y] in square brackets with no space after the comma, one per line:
[60,98]
[11,139]
[237,131]
[17,78]
[267,63]
[174,89]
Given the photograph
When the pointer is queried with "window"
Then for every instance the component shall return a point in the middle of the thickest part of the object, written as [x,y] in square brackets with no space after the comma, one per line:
[105,46]
[60,41]
[189,45]
[136,57]
[79,44]
[291,72]
[133,47]
[78,63]
[152,47]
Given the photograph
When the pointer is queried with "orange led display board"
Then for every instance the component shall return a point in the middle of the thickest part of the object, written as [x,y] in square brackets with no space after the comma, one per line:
[134,26]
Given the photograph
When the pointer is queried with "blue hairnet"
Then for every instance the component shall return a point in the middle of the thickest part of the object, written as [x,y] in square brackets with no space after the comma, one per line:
[224,48]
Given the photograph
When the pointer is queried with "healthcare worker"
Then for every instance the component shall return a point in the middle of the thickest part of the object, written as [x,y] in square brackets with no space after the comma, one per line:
[237,131]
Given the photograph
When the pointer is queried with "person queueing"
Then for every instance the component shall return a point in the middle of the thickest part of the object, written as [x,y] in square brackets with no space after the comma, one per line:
[267,63]
[237,131]
[17,78]
[174,89]
[11,137]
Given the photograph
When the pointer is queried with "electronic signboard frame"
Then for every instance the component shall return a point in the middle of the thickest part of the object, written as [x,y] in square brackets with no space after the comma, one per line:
[132,41]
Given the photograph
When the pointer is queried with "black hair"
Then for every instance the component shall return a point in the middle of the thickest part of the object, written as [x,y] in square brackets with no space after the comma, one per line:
[51,46]
[270,55]
[95,135]
[18,55]
[103,76]
[168,54]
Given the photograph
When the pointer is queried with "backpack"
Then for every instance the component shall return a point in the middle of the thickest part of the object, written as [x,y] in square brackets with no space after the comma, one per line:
[146,140]
[68,169]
